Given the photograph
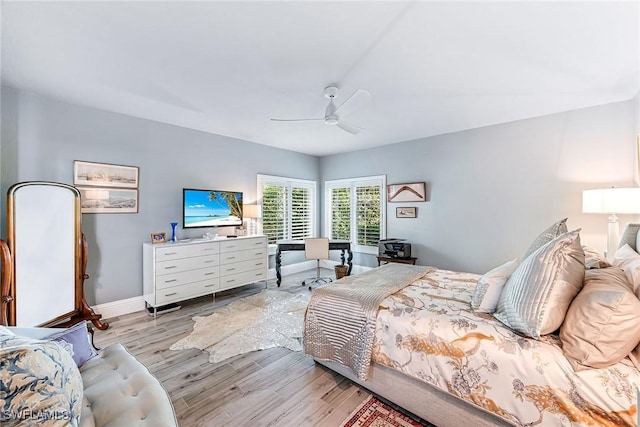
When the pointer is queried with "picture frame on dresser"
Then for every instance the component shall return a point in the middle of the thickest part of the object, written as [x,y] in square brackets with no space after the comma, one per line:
[158,238]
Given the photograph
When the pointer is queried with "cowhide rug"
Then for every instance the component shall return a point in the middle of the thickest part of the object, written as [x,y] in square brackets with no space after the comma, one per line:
[268,319]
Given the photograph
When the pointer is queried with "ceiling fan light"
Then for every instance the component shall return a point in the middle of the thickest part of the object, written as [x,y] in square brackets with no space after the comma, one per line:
[331,120]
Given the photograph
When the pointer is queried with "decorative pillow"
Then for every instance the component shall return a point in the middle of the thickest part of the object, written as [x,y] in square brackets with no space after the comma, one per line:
[39,381]
[537,295]
[76,341]
[629,261]
[602,325]
[487,293]
[546,236]
[593,258]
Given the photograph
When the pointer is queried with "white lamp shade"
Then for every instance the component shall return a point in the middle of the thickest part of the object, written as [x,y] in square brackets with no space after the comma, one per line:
[251,211]
[611,200]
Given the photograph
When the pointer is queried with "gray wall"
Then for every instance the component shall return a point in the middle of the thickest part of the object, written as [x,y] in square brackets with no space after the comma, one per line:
[41,138]
[493,189]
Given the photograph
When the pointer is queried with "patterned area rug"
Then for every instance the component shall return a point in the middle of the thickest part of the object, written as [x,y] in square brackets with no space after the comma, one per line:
[374,413]
[268,319]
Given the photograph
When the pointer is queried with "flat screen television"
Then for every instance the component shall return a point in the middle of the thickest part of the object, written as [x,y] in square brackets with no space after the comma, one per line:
[211,208]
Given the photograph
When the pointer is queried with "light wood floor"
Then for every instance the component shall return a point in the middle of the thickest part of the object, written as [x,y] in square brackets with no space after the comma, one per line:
[274,387]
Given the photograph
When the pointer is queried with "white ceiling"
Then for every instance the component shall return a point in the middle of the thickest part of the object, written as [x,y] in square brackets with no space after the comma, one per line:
[228,67]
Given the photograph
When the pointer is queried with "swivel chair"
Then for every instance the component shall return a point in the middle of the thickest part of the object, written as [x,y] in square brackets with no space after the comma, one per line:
[316,248]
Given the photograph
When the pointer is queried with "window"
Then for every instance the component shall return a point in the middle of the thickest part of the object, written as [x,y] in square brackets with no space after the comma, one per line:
[288,207]
[355,210]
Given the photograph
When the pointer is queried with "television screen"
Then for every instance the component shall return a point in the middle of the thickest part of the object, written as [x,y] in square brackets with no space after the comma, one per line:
[211,208]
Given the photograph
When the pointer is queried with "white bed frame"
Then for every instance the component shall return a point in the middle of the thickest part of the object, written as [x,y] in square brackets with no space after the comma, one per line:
[420,398]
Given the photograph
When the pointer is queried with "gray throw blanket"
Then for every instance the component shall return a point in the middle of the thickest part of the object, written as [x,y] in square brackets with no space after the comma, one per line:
[341,317]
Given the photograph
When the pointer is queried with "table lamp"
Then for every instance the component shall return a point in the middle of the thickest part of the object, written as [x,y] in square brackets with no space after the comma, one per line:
[612,201]
[252,212]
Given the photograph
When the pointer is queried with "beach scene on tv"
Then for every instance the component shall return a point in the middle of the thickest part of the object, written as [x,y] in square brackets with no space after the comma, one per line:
[204,208]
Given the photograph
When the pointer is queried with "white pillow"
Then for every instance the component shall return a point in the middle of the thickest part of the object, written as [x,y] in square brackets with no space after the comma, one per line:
[489,287]
[536,297]
[629,261]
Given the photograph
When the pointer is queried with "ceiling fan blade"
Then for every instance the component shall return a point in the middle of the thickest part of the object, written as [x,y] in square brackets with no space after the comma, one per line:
[348,127]
[294,120]
[356,101]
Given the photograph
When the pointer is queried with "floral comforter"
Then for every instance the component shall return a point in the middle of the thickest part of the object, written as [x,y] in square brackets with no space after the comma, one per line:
[428,331]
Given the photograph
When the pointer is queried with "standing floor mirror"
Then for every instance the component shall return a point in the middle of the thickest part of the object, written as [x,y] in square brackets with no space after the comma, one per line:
[47,258]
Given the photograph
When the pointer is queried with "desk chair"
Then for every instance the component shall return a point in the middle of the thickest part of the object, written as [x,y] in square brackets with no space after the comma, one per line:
[316,248]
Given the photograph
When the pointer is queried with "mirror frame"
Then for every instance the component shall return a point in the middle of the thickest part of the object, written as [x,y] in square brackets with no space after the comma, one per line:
[8,305]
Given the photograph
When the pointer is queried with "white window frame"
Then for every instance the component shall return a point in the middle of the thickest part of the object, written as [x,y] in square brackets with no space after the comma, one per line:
[290,183]
[352,183]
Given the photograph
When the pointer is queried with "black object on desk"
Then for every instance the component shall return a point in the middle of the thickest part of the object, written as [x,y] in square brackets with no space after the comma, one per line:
[298,245]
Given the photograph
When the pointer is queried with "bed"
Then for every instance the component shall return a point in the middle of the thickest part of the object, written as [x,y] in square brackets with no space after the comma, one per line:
[435,355]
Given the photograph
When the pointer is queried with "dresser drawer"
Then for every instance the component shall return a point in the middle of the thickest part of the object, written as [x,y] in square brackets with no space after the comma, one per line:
[242,267]
[185,251]
[234,280]
[177,279]
[185,264]
[244,255]
[242,244]
[192,290]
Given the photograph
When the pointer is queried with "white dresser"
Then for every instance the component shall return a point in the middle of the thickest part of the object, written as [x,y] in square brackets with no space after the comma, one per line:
[174,272]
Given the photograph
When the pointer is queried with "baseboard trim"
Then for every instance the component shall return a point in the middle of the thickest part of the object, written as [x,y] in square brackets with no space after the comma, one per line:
[120,307]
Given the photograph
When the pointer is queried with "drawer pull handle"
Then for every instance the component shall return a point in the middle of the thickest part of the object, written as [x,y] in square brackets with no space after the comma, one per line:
[257,243]
[258,274]
[232,280]
[208,286]
[209,249]
[170,267]
[171,294]
[208,262]
[169,253]
[231,269]
[258,253]
[231,257]
[258,263]
[172,280]
[208,274]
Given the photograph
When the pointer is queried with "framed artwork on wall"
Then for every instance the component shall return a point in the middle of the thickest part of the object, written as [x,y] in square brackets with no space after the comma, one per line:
[413,192]
[406,212]
[108,200]
[104,174]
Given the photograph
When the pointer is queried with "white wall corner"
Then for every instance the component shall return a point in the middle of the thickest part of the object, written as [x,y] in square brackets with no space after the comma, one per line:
[119,308]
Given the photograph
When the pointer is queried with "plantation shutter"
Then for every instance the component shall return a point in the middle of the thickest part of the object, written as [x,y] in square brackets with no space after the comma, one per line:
[274,212]
[341,213]
[288,207]
[355,211]
[368,215]
[301,213]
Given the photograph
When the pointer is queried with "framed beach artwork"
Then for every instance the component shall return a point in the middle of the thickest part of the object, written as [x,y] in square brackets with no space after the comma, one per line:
[104,175]
[108,200]
[407,212]
[414,192]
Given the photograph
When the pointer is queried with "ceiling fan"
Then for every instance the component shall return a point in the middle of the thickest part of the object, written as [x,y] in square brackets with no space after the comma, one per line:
[333,115]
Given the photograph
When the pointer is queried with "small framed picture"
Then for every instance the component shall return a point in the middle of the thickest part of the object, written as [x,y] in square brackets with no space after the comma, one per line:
[406,212]
[158,237]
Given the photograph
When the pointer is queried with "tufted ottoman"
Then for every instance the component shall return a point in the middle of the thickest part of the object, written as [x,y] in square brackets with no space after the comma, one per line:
[120,391]
[117,390]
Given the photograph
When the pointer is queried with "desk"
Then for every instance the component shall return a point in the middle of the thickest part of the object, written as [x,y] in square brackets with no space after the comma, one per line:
[387,259]
[298,245]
